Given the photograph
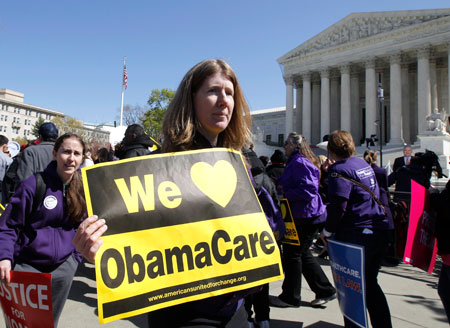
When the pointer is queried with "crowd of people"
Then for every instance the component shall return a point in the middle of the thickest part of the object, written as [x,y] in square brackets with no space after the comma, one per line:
[341,197]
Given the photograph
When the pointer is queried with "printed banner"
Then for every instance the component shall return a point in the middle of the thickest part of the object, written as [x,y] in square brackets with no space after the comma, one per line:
[291,235]
[347,265]
[421,248]
[27,300]
[181,227]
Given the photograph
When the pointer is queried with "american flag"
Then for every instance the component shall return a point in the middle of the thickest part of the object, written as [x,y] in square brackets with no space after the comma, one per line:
[125,76]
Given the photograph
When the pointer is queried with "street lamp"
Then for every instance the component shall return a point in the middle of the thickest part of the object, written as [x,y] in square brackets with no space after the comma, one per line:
[380,94]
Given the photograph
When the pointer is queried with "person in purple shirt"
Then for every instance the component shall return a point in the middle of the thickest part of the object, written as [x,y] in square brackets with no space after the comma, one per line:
[38,237]
[354,216]
[300,185]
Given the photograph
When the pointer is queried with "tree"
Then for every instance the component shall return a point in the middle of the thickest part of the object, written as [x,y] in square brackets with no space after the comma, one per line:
[152,120]
[22,140]
[36,126]
[69,124]
[132,114]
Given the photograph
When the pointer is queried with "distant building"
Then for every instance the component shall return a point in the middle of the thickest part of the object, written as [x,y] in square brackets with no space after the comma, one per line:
[17,118]
[333,77]
[100,132]
[269,125]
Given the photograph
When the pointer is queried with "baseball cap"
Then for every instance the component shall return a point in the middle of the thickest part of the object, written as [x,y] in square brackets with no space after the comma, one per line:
[48,130]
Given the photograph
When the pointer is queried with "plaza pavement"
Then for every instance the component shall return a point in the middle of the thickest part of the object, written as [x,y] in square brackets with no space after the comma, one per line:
[411,293]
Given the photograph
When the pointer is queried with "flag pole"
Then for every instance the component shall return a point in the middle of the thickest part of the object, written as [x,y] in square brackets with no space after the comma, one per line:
[123,89]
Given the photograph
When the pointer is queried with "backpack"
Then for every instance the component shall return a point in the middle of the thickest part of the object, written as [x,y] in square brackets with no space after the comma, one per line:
[9,182]
[40,190]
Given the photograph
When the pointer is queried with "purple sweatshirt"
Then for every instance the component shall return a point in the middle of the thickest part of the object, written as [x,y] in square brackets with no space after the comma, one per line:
[300,185]
[43,238]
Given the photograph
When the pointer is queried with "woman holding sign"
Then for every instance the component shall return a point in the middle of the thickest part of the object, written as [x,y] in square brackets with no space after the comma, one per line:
[300,185]
[37,227]
[208,110]
[356,216]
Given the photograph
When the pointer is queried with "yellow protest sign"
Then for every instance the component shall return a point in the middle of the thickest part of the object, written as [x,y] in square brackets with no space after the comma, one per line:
[291,236]
[181,227]
[2,208]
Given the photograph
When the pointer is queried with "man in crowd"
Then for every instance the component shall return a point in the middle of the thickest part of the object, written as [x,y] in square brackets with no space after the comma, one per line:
[404,160]
[36,158]
[5,160]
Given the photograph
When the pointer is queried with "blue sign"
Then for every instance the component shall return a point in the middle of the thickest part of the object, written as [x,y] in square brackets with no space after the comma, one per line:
[347,265]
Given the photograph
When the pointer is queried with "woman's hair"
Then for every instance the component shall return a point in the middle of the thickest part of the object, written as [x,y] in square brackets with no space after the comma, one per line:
[303,148]
[180,124]
[103,155]
[341,144]
[370,156]
[76,204]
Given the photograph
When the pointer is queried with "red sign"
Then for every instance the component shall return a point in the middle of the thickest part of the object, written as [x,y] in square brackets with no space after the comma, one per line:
[421,249]
[27,300]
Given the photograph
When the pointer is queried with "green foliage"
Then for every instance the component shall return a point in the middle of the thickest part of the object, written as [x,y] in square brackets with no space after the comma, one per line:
[152,119]
[69,124]
[22,140]
[36,126]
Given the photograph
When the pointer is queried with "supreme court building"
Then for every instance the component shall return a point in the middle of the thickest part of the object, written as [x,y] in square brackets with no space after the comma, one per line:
[332,79]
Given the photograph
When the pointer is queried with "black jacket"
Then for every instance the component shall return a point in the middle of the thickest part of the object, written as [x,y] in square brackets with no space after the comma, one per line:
[402,179]
[138,147]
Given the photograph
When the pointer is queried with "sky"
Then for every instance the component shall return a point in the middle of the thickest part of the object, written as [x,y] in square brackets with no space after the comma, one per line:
[67,55]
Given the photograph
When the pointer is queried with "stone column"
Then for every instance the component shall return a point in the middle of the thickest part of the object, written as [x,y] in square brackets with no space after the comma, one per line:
[396,101]
[315,112]
[306,114]
[371,99]
[298,106]
[289,105]
[324,103]
[423,89]
[448,79]
[433,85]
[355,108]
[406,116]
[345,98]
[335,105]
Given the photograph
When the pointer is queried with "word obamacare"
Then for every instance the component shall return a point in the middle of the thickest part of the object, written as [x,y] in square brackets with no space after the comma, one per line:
[221,248]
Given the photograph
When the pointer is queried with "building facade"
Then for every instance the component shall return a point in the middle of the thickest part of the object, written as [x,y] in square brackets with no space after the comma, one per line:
[332,80]
[17,119]
[268,125]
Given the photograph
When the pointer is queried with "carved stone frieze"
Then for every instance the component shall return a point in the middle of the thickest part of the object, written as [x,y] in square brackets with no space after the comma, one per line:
[358,28]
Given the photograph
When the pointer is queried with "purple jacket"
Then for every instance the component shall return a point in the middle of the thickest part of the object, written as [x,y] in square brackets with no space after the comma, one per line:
[300,185]
[44,238]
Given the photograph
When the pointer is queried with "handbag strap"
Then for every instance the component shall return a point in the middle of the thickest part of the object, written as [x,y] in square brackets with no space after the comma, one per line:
[337,175]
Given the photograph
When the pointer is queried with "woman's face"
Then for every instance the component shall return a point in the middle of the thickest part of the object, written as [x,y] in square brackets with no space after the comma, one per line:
[289,147]
[214,104]
[68,158]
